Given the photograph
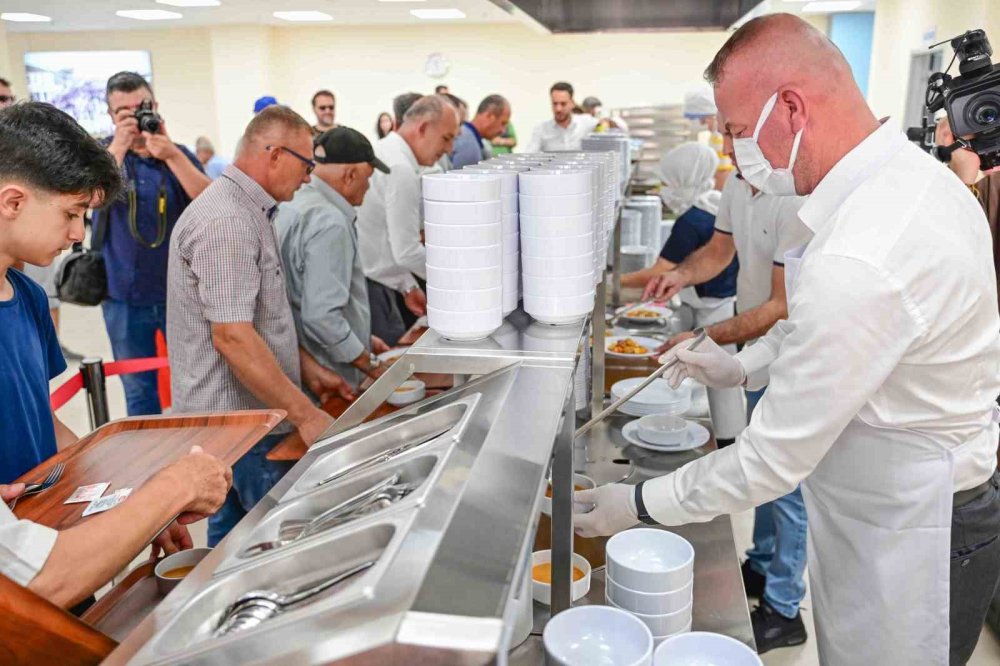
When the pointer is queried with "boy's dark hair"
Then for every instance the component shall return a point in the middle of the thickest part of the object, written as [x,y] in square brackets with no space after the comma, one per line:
[45,148]
[126,82]
[563,86]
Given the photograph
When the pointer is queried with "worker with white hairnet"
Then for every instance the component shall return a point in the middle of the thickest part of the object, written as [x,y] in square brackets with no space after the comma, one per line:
[699,107]
[687,173]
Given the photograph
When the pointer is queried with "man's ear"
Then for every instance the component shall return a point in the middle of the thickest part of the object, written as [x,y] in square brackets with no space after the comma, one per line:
[12,200]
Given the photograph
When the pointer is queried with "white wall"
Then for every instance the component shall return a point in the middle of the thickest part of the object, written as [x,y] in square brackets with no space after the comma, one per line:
[206,79]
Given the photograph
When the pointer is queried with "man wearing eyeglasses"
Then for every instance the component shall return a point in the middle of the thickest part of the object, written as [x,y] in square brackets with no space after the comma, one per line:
[324,105]
[233,344]
[6,94]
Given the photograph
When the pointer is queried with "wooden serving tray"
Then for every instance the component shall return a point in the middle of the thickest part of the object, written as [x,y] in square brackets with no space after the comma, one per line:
[127,452]
[127,604]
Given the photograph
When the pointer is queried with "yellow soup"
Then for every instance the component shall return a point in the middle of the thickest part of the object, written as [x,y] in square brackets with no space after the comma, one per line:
[543,573]
[179,572]
[548,491]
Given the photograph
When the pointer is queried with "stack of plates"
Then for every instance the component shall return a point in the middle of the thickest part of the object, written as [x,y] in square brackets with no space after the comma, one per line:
[557,244]
[510,227]
[657,398]
[463,231]
[650,574]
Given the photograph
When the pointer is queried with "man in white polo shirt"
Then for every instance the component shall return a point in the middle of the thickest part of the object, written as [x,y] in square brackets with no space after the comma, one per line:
[757,228]
[566,130]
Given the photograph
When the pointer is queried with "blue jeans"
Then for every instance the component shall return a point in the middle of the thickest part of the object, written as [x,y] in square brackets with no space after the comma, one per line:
[253,477]
[132,329]
[779,543]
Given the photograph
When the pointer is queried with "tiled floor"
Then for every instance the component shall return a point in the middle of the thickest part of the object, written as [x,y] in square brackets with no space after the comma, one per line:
[83,331]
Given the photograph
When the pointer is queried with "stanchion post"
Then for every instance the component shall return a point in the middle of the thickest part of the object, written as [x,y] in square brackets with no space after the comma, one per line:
[92,369]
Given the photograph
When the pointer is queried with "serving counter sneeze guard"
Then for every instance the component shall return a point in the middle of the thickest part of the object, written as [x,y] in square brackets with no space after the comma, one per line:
[428,515]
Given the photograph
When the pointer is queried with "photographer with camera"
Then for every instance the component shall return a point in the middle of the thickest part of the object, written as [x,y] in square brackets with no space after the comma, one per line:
[162,178]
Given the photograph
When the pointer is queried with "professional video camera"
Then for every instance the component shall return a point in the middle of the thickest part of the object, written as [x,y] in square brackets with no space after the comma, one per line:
[149,120]
[972,101]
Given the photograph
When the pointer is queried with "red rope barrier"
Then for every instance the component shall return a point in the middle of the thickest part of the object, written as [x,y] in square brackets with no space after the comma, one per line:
[74,384]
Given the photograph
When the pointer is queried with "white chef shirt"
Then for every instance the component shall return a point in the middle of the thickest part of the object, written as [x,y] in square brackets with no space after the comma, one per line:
[892,319]
[390,218]
[764,227]
[24,546]
[550,135]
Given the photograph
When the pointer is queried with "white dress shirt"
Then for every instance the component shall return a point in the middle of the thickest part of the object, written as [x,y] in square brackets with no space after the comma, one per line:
[24,546]
[552,136]
[764,227]
[390,218]
[892,319]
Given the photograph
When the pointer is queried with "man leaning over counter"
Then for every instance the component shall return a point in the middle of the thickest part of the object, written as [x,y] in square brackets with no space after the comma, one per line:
[51,173]
[882,379]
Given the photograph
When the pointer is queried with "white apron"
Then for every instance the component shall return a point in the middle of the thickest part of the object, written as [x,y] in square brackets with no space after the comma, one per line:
[879,507]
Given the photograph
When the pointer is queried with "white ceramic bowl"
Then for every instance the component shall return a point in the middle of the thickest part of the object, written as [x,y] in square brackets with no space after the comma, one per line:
[542,592]
[465,257]
[704,647]
[585,483]
[510,261]
[510,224]
[559,286]
[663,429]
[469,213]
[511,243]
[648,603]
[659,397]
[464,278]
[463,235]
[185,558]
[650,560]
[597,636]
[567,246]
[559,311]
[465,300]
[547,227]
[554,182]
[409,392]
[663,625]
[558,266]
[508,179]
[458,186]
[511,297]
[508,204]
[657,640]
[464,326]
[570,204]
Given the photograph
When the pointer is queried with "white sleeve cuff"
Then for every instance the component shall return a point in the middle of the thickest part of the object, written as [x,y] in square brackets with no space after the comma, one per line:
[24,549]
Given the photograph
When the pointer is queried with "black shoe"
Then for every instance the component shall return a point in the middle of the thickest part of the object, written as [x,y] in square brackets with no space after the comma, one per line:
[753,582]
[70,355]
[771,630]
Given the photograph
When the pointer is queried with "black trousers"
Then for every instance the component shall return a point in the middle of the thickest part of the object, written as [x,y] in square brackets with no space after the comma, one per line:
[975,568]
[386,320]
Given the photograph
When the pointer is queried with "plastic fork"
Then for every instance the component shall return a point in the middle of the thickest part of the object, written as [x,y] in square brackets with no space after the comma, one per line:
[34,488]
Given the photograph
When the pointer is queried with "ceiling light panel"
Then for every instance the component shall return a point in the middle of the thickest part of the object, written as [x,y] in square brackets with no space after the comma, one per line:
[24,17]
[306,15]
[148,14]
[438,14]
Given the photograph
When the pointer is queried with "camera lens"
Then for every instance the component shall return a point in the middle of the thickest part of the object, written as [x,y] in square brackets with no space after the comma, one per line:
[986,114]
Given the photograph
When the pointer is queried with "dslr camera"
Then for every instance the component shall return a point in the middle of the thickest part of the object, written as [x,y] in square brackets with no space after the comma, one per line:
[972,99]
[149,120]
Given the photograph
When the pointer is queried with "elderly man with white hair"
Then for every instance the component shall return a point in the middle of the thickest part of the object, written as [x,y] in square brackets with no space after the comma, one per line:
[883,379]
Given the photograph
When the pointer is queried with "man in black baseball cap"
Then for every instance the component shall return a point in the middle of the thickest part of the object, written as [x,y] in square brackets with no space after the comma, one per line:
[319,249]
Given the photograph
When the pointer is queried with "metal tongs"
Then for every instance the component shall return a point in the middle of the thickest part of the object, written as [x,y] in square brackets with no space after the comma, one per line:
[380,458]
[258,606]
[700,335]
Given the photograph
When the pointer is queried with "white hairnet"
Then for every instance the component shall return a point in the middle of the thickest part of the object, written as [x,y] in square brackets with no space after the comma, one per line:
[700,102]
[688,175]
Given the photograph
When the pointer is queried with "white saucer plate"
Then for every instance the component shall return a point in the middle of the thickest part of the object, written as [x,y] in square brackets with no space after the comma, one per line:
[697,436]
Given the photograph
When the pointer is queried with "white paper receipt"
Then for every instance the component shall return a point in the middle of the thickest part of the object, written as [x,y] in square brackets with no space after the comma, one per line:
[109,502]
[87,493]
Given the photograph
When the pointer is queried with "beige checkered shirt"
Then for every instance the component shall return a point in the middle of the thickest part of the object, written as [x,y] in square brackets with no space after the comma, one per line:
[225,267]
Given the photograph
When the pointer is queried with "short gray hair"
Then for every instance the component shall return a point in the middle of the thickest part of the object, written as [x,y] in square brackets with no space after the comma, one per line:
[276,116]
[203,143]
[428,107]
[747,34]
[493,104]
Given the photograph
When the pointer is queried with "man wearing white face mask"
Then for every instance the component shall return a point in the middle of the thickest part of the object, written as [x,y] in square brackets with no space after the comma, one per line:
[882,379]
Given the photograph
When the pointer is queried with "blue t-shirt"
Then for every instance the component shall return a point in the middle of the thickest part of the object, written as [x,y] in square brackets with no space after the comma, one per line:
[692,230]
[468,147]
[136,273]
[29,358]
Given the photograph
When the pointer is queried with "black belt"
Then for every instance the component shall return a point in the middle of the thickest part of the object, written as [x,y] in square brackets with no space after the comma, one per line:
[963,497]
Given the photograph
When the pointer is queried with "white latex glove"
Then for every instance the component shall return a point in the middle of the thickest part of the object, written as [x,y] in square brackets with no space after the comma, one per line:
[614,510]
[711,365]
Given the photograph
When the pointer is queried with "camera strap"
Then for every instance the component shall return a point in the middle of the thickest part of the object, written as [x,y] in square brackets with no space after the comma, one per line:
[161,215]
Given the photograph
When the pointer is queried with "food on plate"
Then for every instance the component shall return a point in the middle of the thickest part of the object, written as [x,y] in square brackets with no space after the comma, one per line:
[405,389]
[548,491]
[179,572]
[628,346]
[642,313]
[542,573]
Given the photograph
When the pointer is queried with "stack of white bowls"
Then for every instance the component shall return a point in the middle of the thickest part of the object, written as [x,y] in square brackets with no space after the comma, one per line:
[557,244]
[651,210]
[464,235]
[619,142]
[597,227]
[650,573]
[511,232]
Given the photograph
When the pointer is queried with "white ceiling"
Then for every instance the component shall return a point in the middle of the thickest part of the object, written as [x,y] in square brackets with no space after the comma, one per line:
[100,14]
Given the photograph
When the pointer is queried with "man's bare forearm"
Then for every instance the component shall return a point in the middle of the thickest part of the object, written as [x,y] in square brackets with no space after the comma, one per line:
[64,436]
[191,179]
[709,260]
[256,368]
[750,324]
[641,277]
